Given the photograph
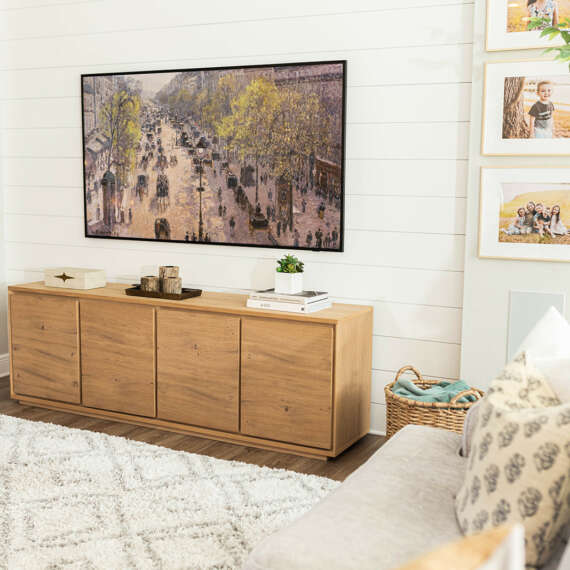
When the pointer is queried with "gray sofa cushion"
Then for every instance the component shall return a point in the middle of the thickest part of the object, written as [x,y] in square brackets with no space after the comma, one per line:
[468,428]
[398,505]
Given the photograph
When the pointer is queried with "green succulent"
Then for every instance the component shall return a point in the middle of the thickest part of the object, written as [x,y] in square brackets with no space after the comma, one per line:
[289,264]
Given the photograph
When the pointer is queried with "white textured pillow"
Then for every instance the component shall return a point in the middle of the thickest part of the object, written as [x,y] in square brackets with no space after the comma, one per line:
[519,466]
[550,337]
[557,373]
[547,347]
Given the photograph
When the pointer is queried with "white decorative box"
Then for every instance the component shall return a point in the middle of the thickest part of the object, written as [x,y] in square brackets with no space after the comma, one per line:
[74,277]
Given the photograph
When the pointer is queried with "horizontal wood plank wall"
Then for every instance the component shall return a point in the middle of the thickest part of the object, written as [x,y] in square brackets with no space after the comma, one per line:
[408,91]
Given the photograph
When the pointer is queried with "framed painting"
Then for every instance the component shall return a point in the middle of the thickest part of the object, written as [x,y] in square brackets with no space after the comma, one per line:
[242,156]
[526,108]
[525,214]
[508,22]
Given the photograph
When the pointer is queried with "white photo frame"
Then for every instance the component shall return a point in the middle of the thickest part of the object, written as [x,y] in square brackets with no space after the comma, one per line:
[503,189]
[500,33]
[533,71]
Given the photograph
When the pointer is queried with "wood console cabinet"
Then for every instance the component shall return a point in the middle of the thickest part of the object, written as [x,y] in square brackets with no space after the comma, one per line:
[206,366]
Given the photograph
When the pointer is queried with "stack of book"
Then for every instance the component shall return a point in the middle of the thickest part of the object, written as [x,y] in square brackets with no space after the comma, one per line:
[304,302]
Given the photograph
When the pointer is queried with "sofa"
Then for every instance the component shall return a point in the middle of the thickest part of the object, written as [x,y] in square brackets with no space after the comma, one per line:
[394,508]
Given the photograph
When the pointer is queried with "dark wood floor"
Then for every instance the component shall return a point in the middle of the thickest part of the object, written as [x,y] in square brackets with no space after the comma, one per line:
[338,468]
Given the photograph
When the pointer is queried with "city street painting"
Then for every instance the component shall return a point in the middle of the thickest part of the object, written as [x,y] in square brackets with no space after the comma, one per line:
[248,156]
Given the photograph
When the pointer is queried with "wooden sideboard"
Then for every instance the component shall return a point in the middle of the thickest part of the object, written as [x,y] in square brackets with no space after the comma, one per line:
[207,366]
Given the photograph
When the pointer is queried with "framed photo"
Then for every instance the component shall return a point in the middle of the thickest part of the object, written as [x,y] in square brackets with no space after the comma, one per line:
[242,156]
[526,108]
[508,20]
[525,214]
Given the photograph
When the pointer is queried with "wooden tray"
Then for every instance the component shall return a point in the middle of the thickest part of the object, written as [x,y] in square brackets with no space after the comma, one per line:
[186,293]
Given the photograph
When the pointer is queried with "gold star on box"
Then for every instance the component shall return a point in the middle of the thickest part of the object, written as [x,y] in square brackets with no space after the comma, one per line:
[64,277]
[74,277]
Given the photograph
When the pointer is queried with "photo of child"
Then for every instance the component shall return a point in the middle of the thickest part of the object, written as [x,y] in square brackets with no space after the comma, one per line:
[540,114]
[536,107]
[535,213]
[520,13]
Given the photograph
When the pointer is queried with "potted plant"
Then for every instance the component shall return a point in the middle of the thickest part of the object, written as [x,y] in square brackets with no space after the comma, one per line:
[289,275]
[553,32]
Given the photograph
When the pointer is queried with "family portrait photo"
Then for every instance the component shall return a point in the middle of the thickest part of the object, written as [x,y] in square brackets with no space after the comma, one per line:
[535,213]
[527,108]
[516,24]
[525,213]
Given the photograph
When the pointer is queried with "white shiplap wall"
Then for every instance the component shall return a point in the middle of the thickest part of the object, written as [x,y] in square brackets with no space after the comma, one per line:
[409,85]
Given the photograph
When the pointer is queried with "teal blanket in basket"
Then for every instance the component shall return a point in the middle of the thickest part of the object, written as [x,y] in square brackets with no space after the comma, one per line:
[441,392]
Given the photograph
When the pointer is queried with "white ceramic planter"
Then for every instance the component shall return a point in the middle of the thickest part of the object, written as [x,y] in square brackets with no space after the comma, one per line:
[288,283]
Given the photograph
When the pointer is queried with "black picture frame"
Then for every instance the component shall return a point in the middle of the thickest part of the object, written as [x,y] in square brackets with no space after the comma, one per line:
[341,226]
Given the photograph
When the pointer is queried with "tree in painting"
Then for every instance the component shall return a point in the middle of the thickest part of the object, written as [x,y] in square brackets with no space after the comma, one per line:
[120,124]
[250,126]
[514,121]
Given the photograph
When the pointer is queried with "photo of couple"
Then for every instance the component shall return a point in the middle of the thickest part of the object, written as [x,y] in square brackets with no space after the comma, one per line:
[536,108]
[521,12]
[535,217]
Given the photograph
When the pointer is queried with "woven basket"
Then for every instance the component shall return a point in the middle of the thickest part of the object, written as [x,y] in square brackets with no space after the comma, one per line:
[402,411]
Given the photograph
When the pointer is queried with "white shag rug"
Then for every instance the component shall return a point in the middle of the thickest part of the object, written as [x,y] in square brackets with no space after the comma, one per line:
[76,499]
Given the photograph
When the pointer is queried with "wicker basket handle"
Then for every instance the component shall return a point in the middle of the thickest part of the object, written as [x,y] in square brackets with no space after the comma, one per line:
[405,369]
[471,392]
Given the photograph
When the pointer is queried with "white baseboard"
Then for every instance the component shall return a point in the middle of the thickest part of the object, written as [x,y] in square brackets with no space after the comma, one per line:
[4,365]
[377,418]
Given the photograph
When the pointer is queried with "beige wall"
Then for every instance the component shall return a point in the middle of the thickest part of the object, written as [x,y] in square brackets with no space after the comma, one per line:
[489,281]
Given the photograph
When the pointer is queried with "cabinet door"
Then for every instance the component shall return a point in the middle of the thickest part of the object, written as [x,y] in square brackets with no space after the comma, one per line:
[45,346]
[118,357]
[286,390]
[198,369]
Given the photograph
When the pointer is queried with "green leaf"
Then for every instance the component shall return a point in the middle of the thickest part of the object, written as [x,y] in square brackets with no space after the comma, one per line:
[290,264]
[535,23]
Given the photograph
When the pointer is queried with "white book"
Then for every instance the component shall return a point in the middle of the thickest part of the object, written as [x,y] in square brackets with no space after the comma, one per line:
[303,298]
[288,307]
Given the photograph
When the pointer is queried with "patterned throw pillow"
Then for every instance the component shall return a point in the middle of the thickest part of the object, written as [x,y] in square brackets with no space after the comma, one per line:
[519,466]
